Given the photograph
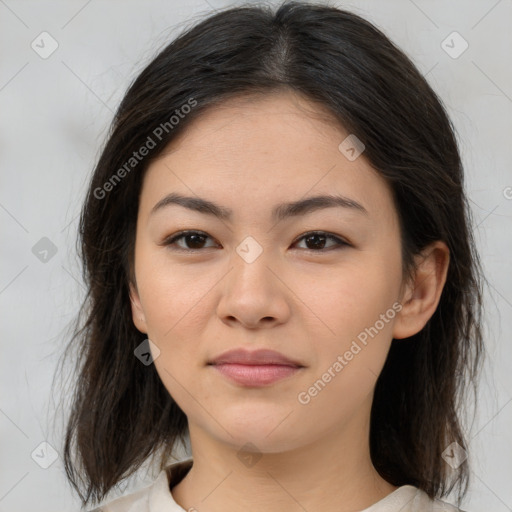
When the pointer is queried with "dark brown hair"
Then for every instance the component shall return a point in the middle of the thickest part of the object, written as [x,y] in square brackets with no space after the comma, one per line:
[121,413]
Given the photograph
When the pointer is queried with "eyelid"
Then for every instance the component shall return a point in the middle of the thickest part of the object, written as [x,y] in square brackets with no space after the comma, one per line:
[340,241]
[167,241]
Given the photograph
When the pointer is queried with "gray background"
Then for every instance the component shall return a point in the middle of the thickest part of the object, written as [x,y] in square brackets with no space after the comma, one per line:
[54,116]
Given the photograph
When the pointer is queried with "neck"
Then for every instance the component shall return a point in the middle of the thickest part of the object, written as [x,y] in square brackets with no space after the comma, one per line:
[332,474]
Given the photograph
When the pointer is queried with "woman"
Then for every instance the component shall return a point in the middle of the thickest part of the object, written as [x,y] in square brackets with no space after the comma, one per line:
[280,264]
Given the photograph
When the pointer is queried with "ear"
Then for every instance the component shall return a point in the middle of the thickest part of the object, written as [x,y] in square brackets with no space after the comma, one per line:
[139,319]
[423,291]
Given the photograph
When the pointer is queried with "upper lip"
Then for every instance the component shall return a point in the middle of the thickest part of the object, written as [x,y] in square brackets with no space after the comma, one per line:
[254,357]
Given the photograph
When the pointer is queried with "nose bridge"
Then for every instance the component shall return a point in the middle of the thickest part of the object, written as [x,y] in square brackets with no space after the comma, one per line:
[251,261]
[252,292]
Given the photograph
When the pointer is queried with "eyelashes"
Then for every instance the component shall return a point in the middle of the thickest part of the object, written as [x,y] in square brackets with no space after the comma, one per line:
[183,235]
[198,238]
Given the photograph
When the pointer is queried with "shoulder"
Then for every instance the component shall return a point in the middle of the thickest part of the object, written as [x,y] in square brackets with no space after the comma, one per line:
[409,498]
[153,497]
[423,503]
[137,501]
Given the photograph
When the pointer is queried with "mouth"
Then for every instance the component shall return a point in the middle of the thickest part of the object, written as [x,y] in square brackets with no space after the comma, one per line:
[256,375]
[255,369]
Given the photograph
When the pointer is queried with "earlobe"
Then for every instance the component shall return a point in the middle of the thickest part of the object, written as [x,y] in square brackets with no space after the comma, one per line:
[139,319]
[423,292]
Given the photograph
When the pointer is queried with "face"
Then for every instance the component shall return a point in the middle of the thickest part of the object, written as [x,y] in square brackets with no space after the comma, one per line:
[319,285]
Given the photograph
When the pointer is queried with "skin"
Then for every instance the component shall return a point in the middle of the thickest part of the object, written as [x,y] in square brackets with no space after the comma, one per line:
[248,155]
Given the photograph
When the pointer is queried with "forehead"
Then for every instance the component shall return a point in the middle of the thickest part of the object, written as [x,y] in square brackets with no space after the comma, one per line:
[253,120]
[259,150]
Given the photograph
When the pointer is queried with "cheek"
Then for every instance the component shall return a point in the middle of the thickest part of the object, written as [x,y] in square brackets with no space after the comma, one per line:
[346,300]
[349,361]
[173,297]
[177,306]
[354,331]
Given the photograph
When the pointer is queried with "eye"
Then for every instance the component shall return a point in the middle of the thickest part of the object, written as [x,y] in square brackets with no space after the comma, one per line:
[194,238]
[317,241]
[195,241]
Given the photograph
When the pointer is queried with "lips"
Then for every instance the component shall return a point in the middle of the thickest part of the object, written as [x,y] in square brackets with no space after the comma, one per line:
[256,358]
[255,369]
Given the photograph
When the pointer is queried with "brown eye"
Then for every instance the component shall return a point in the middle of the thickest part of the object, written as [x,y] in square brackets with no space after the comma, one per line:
[193,240]
[190,241]
[316,241]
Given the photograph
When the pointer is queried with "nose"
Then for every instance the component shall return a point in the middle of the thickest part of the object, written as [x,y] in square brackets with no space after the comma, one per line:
[254,294]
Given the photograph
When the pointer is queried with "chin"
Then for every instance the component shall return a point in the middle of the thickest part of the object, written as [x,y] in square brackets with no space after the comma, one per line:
[263,428]
[256,442]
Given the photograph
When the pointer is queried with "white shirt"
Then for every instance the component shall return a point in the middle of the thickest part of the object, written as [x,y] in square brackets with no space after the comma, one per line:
[157,497]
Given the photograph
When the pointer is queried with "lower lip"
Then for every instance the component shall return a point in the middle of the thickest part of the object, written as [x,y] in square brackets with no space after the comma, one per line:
[256,375]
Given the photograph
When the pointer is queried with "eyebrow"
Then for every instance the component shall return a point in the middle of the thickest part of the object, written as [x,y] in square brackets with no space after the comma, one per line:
[279,212]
